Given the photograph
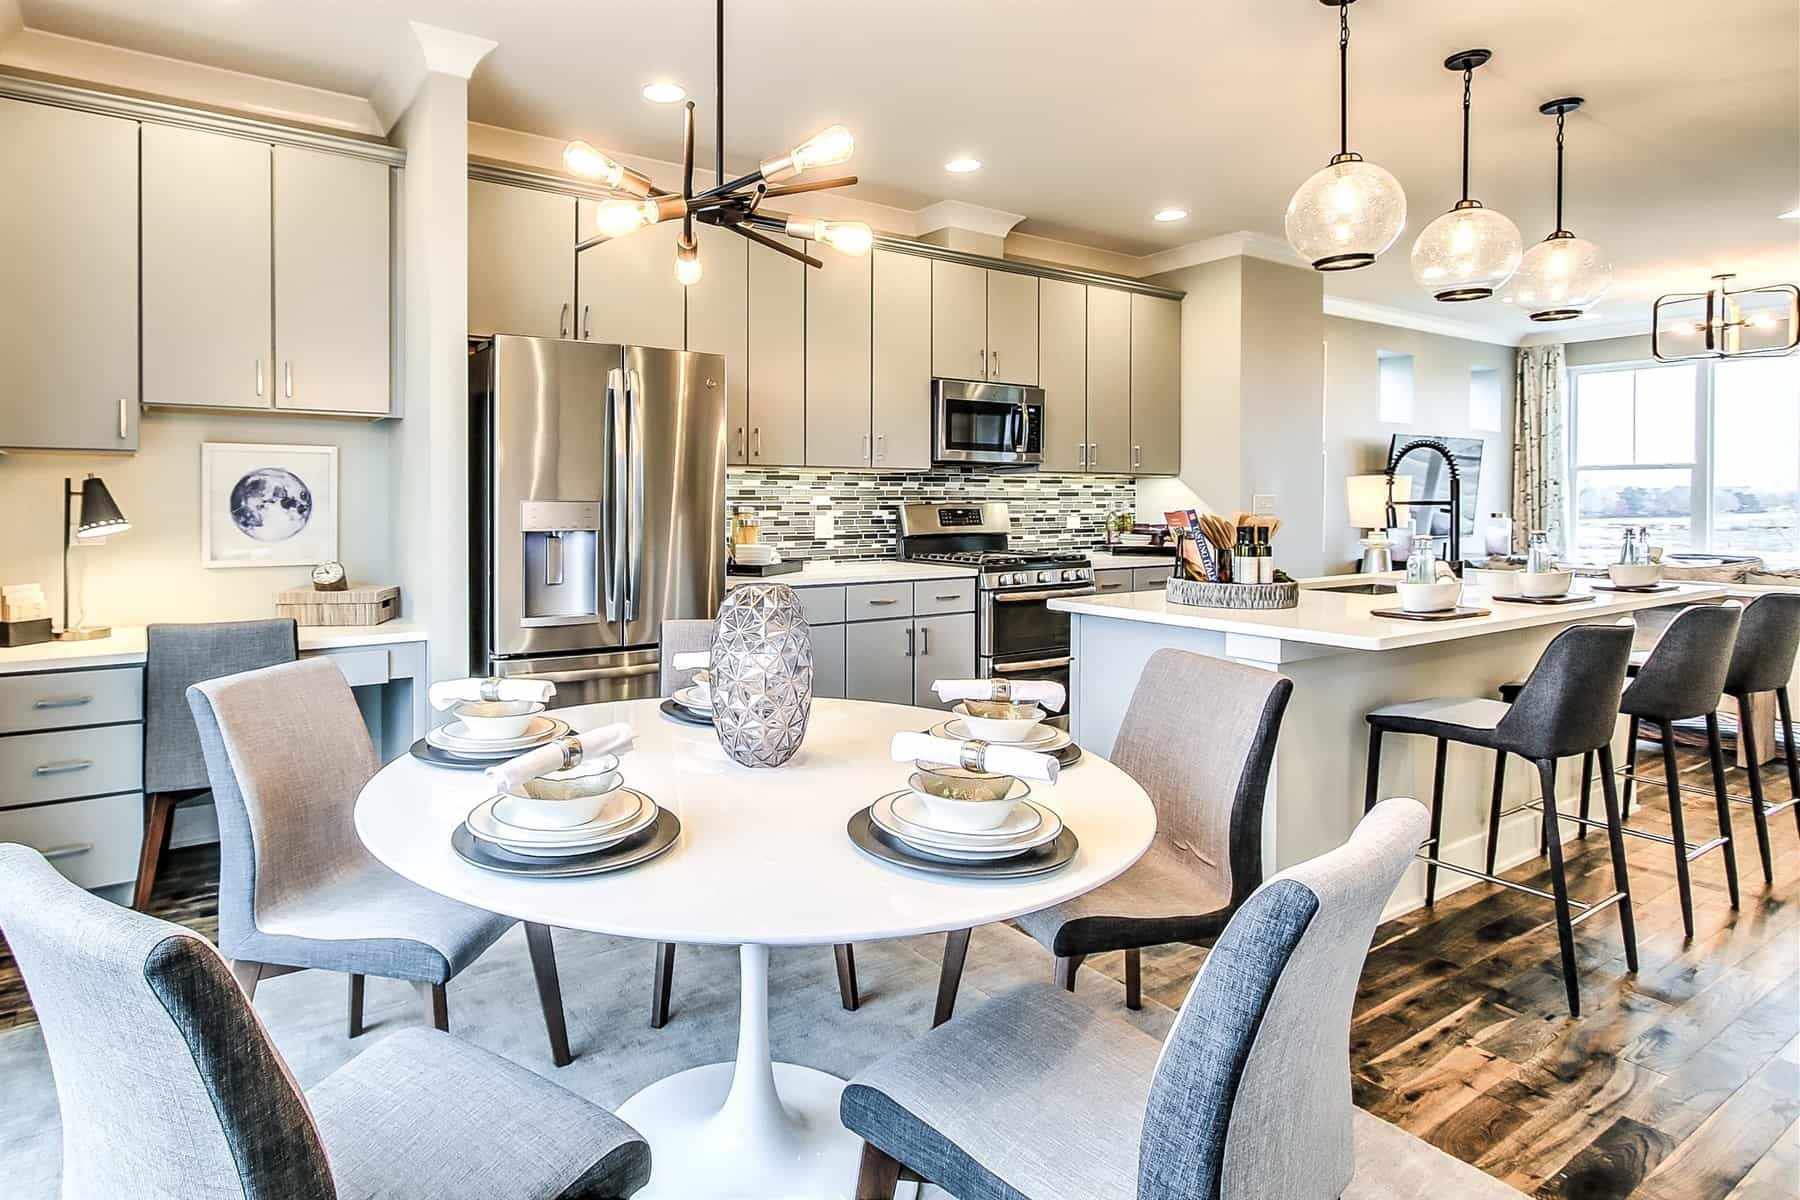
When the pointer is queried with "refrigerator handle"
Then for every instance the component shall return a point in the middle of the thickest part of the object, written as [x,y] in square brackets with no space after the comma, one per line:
[614,494]
[634,547]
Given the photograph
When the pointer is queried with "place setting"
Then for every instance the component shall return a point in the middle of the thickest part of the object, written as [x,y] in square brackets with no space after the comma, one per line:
[491,720]
[693,703]
[1007,713]
[564,809]
[968,810]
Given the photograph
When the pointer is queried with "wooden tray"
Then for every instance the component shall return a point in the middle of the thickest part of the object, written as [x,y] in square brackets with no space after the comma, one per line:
[1570,598]
[1448,614]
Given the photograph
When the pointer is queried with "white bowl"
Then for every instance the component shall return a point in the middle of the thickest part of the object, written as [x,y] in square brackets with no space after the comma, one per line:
[1633,575]
[702,681]
[497,720]
[562,799]
[1544,584]
[1001,729]
[964,816]
[1495,582]
[1430,597]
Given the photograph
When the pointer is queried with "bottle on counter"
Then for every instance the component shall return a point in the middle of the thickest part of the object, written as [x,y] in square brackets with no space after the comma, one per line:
[1243,556]
[1644,558]
[1265,556]
[1538,556]
[1628,550]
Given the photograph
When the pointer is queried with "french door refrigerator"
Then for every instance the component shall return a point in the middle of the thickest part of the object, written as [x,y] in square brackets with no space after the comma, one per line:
[597,494]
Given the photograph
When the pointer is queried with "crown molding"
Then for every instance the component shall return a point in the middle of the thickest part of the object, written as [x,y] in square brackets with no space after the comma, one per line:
[1244,243]
[432,51]
[959,214]
[1582,330]
[1403,318]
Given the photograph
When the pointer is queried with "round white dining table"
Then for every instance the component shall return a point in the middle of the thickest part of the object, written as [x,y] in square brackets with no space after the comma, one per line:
[763,860]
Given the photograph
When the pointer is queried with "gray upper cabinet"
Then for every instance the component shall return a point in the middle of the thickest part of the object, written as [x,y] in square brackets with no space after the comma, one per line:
[69,245]
[1012,327]
[838,347]
[626,290]
[1155,385]
[1109,375]
[777,358]
[901,368]
[718,323]
[208,247]
[521,261]
[958,321]
[332,303]
[1062,373]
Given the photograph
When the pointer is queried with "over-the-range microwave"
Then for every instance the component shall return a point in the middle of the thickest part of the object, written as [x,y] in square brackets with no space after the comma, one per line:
[999,424]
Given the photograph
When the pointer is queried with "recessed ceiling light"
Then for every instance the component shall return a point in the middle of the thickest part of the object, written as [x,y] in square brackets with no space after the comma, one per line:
[665,92]
[962,166]
[1792,214]
[1170,214]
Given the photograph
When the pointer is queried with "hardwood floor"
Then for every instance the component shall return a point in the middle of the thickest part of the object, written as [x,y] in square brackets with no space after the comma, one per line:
[1681,1083]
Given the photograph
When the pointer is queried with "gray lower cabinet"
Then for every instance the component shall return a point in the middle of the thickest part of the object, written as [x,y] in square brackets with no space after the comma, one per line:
[891,641]
[1115,580]
[1109,583]
[829,658]
[879,662]
[1147,579]
[944,648]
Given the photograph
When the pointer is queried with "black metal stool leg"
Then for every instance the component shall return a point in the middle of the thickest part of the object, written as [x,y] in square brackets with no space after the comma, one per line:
[1787,742]
[1493,831]
[1437,822]
[1716,752]
[1615,835]
[1587,792]
[1372,789]
[1565,928]
[1631,741]
[1747,738]
[1677,827]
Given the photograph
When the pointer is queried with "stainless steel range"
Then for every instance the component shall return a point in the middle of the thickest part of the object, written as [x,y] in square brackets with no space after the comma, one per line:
[1016,634]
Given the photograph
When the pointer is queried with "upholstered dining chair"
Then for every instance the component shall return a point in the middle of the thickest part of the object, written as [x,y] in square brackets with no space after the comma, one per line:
[1199,736]
[170,1086]
[175,657]
[1037,1096]
[287,752]
[693,637]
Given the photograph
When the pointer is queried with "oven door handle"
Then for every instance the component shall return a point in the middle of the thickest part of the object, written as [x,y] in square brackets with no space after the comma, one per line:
[1037,664]
[1056,594]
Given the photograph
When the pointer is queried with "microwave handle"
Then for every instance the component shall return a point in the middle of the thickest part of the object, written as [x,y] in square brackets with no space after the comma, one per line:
[1024,427]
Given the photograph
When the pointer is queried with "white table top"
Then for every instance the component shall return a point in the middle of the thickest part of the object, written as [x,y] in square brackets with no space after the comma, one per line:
[126,646]
[763,857]
[825,572]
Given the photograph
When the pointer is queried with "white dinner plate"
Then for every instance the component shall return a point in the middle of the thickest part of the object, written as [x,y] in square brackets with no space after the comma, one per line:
[454,738]
[902,815]
[688,698]
[1047,740]
[580,839]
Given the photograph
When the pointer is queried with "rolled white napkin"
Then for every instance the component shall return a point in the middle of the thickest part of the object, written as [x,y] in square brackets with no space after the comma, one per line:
[1047,692]
[999,760]
[616,738]
[692,660]
[451,692]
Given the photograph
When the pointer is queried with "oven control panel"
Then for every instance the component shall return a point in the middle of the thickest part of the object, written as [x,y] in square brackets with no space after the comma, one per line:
[1047,575]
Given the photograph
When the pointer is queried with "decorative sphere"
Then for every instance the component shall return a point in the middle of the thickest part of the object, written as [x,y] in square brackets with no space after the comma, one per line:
[1559,277]
[1467,253]
[1345,215]
[271,504]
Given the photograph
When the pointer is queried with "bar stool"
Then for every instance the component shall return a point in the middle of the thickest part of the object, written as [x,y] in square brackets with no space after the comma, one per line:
[1763,661]
[1568,706]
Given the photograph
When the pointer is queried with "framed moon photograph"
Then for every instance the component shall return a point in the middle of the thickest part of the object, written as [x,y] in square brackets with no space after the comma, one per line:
[267,506]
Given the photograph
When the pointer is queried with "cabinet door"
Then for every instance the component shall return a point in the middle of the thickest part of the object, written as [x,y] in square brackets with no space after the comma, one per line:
[332,304]
[718,323]
[837,361]
[1156,385]
[879,661]
[69,256]
[208,322]
[828,660]
[1113,583]
[1012,327]
[1062,324]
[958,321]
[944,648]
[901,385]
[1109,379]
[626,290]
[777,366]
[521,261]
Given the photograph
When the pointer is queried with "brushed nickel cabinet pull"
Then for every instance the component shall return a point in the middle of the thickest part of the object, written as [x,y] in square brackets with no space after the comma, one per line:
[881,447]
[909,641]
[259,376]
[288,377]
[562,320]
[67,767]
[68,851]
[124,417]
[924,640]
[881,603]
[951,596]
[62,702]
[586,330]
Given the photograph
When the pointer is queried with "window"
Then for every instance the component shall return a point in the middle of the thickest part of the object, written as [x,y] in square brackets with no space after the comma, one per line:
[1705,455]
[1394,387]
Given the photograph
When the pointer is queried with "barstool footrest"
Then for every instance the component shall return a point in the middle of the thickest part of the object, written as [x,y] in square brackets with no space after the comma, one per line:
[1693,852]
[1588,910]
[1583,909]
[1689,850]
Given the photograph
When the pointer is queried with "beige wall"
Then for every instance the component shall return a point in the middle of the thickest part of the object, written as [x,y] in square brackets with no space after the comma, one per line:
[1635,348]
[1284,407]
[1210,371]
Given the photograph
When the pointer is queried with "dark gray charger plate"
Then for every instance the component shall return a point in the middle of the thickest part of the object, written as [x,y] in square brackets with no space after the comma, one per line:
[1638,591]
[672,709]
[1569,598]
[645,846]
[1442,614]
[878,845]
[424,751]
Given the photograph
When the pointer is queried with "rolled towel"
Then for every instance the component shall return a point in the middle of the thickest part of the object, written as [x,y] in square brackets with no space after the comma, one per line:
[616,738]
[451,692]
[692,660]
[996,760]
[1047,692]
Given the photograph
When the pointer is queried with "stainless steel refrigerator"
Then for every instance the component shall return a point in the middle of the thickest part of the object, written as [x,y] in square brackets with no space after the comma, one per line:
[597,503]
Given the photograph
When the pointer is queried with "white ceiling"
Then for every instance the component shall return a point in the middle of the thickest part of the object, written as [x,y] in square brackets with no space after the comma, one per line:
[1089,116]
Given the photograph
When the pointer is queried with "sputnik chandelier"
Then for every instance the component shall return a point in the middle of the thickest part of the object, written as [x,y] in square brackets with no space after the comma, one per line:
[732,203]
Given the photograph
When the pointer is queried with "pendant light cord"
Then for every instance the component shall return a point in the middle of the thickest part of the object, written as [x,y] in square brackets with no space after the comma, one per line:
[719,93]
[1468,77]
[1343,77]
[1560,118]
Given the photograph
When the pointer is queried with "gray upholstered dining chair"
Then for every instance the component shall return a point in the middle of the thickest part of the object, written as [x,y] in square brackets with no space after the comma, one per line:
[1199,736]
[170,1086]
[693,637]
[1037,1096]
[287,753]
[175,657]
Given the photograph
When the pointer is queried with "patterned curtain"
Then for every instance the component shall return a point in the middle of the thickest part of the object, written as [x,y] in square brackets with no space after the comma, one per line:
[1540,468]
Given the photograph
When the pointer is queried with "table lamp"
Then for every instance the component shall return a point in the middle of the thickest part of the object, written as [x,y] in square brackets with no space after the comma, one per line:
[1367,499]
[100,518]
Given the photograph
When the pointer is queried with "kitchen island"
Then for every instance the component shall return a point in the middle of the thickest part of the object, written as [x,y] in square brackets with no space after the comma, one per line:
[1344,661]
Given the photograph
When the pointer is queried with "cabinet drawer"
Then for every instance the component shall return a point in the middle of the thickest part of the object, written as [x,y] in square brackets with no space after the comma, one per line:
[943,596]
[35,767]
[63,699]
[823,605]
[1144,579]
[1111,583]
[94,842]
[877,601]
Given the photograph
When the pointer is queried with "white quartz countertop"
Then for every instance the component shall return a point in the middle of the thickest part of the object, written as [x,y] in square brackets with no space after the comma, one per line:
[823,572]
[1344,621]
[1106,560]
[126,646]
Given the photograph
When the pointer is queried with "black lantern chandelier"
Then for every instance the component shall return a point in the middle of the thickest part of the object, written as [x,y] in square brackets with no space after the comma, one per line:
[731,204]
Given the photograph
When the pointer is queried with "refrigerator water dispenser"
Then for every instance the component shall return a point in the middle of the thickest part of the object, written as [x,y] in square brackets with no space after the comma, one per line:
[561,572]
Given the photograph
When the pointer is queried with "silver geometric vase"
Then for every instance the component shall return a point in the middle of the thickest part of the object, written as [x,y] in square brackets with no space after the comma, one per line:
[762,674]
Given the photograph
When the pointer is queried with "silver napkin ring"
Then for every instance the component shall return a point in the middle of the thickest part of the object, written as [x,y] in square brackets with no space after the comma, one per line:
[1000,690]
[570,745]
[490,688]
[974,755]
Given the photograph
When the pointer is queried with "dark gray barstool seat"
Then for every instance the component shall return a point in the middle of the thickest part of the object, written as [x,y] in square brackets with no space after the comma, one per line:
[1568,707]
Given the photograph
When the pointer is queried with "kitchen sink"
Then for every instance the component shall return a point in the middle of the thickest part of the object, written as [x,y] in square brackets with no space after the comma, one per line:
[1359,589]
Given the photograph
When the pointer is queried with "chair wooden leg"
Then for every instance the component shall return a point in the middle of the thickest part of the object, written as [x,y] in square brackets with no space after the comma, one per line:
[846,973]
[436,1004]
[1065,970]
[247,974]
[1493,830]
[549,988]
[1789,752]
[1684,886]
[1615,834]
[1437,821]
[1559,885]
[956,950]
[1134,980]
[1747,748]
[159,821]
[1372,781]
[877,1176]
[1716,752]
[661,981]
[356,1006]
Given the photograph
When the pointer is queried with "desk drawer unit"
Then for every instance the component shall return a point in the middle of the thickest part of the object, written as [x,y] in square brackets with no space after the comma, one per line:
[95,842]
[68,699]
[36,767]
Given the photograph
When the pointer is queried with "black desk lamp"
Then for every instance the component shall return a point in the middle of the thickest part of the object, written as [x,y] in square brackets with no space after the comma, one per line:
[100,518]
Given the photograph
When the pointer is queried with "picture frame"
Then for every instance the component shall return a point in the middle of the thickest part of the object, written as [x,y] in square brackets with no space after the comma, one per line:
[267,505]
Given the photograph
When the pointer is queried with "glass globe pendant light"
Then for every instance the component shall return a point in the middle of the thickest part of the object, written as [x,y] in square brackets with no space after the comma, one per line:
[1470,250]
[1562,274]
[1352,210]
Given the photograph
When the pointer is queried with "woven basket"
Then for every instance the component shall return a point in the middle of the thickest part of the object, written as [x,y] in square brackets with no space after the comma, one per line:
[1243,596]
